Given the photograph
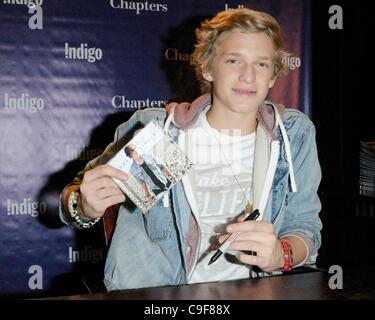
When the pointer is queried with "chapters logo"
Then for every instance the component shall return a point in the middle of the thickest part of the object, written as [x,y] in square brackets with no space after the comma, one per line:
[172,54]
[121,102]
[138,7]
[83,52]
[24,102]
[26,207]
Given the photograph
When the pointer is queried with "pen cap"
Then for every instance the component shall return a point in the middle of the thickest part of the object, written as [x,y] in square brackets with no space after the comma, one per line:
[252,216]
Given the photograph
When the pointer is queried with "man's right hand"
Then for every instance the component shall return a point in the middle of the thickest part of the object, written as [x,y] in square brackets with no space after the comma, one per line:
[99,191]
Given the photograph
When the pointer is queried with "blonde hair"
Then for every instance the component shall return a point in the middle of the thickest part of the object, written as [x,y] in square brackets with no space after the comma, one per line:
[243,20]
[129,150]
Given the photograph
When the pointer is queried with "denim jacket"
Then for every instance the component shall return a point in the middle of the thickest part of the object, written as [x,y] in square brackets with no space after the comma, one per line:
[160,247]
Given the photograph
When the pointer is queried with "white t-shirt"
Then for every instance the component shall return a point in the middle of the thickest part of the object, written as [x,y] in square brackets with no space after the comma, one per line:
[220,199]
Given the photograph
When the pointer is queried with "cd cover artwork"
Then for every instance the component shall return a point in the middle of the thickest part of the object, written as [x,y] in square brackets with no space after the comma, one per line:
[153,163]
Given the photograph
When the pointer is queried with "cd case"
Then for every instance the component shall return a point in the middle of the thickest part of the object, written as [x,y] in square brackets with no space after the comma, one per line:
[153,163]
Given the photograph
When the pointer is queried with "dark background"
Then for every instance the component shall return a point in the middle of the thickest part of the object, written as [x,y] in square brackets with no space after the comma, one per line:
[342,70]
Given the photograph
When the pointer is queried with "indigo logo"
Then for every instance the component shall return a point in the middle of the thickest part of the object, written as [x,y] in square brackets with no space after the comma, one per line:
[226,8]
[292,62]
[83,52]
[26,207]
[24,102]
[86,255]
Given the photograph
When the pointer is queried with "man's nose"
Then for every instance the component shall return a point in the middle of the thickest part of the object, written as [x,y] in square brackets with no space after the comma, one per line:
[247,73]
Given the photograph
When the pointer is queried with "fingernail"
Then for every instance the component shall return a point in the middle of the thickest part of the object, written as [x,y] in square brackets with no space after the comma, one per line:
[124,176]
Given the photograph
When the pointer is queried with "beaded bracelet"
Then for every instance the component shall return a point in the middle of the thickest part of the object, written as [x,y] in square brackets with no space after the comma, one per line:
[77,221]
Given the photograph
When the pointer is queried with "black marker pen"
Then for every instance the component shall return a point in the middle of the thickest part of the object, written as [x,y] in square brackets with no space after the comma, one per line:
[224,247]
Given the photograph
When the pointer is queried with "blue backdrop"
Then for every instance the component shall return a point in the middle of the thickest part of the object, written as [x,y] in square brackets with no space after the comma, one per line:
[70,72]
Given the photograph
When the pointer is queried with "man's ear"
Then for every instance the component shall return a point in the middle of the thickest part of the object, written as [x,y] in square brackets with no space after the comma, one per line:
[207,76]
[272,82]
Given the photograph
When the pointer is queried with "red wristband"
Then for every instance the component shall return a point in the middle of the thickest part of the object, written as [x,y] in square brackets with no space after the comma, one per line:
[288,255]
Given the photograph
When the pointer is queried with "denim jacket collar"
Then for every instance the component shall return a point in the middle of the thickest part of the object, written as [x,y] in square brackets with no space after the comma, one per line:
[184,115]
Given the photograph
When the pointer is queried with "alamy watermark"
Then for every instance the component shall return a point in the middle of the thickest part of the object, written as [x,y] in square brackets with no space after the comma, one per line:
[336,280]
[35,9]
[336,20]
[36,280]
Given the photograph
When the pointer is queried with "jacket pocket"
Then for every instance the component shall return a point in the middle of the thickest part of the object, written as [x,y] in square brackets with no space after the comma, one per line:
[159,223]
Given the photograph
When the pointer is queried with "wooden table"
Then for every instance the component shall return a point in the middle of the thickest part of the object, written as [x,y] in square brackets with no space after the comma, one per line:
[310,284]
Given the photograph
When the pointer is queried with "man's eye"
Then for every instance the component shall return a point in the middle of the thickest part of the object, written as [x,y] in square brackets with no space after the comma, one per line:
[263,65]
[232,61]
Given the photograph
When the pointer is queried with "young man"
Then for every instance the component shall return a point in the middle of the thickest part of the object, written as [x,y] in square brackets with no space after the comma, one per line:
[248,154]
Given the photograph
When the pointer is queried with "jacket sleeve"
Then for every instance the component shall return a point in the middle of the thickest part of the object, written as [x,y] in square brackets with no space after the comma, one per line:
[122,135]
[304,205]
